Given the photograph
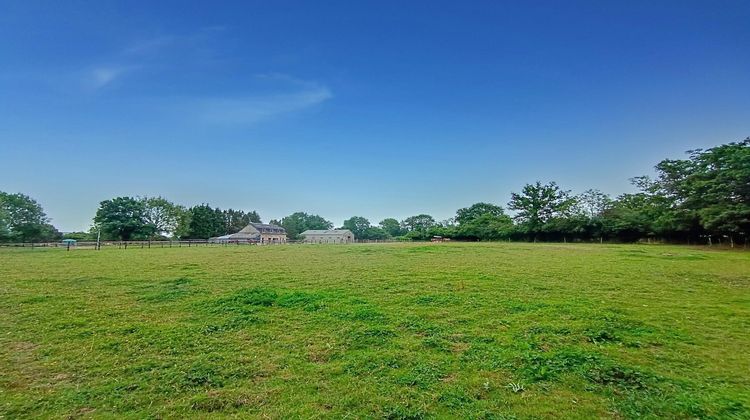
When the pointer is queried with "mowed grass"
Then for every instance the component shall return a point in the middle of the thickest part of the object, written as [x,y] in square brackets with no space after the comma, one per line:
[386,331]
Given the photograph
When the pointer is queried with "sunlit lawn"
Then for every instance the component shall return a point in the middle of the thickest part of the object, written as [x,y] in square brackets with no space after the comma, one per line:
[388,330]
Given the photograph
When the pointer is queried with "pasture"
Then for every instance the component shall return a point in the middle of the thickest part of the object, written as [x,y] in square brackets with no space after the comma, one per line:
[470,330]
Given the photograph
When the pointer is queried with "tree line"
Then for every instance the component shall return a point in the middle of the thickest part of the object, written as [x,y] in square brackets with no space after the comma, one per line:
[702,199]
[129,218]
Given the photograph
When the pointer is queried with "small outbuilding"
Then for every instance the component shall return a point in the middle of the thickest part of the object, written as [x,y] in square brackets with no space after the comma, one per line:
[330,236]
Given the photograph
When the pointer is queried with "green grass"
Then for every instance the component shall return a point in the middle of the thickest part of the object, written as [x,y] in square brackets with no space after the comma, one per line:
[395,331]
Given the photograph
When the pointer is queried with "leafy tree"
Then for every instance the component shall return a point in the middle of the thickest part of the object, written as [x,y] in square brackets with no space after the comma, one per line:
[646,214]
[362,229]
[391,227]
[475,211]
[80,236]
[122,218]
[712,186]
[417,227]
[567,227]
[22,219]
[440,229]
[486,227]
[359,226]
[205,222]
[161,215]
[482,221]
[299,222]
[4,225]
[627,219]
[420,222]
[537,204]
[375,233]
[592,203]
[183,224]
[585,219]
[236,220]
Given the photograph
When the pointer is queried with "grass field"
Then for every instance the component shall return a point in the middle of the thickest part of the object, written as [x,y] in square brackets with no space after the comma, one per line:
[389,330]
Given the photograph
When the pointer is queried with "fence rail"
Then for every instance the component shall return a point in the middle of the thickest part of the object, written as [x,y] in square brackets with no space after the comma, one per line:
[113,244]
[205,243]
[150,244]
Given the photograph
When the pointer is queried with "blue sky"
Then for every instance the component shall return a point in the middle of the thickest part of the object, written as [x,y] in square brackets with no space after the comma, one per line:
[379,109]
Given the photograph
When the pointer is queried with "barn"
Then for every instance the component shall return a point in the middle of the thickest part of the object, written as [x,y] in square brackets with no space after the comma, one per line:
[261,233]
[331,236]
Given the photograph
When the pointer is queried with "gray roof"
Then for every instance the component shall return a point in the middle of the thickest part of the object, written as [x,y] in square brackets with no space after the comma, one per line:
[239,235]
[328,232]
[266,228]
[251,232]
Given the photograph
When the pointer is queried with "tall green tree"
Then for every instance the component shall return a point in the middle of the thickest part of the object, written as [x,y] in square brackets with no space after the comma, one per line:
[477,210]
[298,222]
[22,219]
[206,222]
[420,222]
[712,186]
[539,203]
[483,221]
[418,227]
[236,220]
[592,203]
[80,236]
[122,218]
[4,225]
[631,217]
[359,226]
[374,233]
[183,224]
[161,215]
[586,218]
[391,227]
[363,230]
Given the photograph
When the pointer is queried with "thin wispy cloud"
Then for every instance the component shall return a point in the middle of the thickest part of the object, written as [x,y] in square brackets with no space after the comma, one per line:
[100,77]
[285,79]
[260,97]
[143,54]
[254,109]
[149,45]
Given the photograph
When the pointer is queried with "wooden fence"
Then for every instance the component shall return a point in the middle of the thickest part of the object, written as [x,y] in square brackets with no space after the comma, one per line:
[116,244]
[149,244]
